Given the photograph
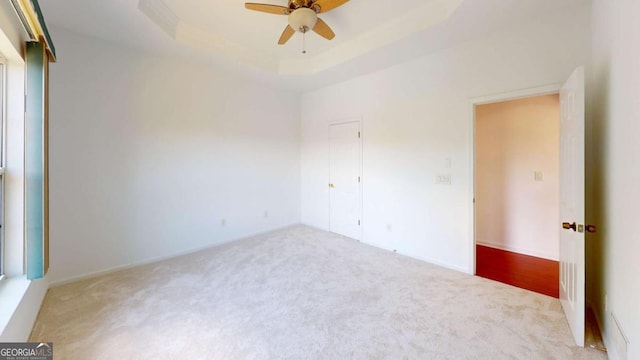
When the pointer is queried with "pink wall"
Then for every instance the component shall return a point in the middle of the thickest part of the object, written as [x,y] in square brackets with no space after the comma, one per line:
[514,140]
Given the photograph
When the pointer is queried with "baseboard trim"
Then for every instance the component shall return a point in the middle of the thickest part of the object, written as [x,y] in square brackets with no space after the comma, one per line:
[438,263]
[421,258]
[415,257]
[608,343]
[517,250]
[148,261]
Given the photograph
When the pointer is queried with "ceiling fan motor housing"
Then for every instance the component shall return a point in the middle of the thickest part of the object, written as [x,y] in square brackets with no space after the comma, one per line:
[303,16]
[303,19]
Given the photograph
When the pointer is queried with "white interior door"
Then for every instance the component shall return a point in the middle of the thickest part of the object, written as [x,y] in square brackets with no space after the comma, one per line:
[345,153]
[572,211]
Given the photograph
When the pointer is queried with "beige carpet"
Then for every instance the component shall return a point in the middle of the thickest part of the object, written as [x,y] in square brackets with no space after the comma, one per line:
[301,293]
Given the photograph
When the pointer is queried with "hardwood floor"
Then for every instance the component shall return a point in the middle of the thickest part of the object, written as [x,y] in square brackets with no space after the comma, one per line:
[523,271]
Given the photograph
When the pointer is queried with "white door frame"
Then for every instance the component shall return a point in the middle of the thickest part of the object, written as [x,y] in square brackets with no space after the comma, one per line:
[512,95]
[359,120]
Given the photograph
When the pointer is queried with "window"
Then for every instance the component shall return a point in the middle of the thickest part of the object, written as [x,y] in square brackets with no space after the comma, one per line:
[2,116]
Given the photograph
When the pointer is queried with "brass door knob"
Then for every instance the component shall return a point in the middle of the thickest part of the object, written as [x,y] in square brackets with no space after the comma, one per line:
[568,226]
[331,186]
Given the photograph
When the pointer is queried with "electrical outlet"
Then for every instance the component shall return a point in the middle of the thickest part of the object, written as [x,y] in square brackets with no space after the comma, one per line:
[389,228]
[443,179]
[538,176]
[223,222]
[266,214]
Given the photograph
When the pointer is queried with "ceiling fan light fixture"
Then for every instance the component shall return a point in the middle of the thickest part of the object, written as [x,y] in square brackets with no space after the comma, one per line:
[303,16]
[303,19]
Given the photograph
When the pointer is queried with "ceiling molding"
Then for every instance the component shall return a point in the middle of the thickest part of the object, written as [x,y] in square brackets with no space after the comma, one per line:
[158,12]
[161,15]
[213,43]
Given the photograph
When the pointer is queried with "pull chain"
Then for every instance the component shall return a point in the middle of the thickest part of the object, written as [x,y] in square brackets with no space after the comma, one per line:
[304,41]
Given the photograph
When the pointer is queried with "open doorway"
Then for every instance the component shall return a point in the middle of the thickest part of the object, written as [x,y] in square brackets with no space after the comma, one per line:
[517,191]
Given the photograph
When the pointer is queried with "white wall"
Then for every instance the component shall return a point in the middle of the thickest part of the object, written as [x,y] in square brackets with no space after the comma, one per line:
[514,140]
[614,164]
[416,115]
[148,155]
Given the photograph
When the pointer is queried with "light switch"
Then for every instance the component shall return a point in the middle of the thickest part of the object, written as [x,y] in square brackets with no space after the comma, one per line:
[538,175]
[443,179]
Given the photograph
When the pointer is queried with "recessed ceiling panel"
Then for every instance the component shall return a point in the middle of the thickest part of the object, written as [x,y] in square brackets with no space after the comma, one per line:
[370,34]
[225,26]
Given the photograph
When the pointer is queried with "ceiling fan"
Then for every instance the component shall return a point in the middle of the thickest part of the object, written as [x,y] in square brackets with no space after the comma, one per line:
[303,16]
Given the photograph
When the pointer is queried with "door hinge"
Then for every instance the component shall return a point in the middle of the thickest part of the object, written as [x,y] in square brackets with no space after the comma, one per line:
[358,178]
[358,222]
[358,134]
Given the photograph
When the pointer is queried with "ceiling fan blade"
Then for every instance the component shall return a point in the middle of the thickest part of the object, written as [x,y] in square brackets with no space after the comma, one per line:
[286,35]
[271,9]
[324,30]
[328,5]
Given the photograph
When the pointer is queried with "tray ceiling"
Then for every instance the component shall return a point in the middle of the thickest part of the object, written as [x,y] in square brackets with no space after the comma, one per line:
[370,34]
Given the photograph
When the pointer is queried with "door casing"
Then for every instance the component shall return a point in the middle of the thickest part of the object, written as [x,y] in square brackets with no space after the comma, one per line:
[512,95]
[358,120]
